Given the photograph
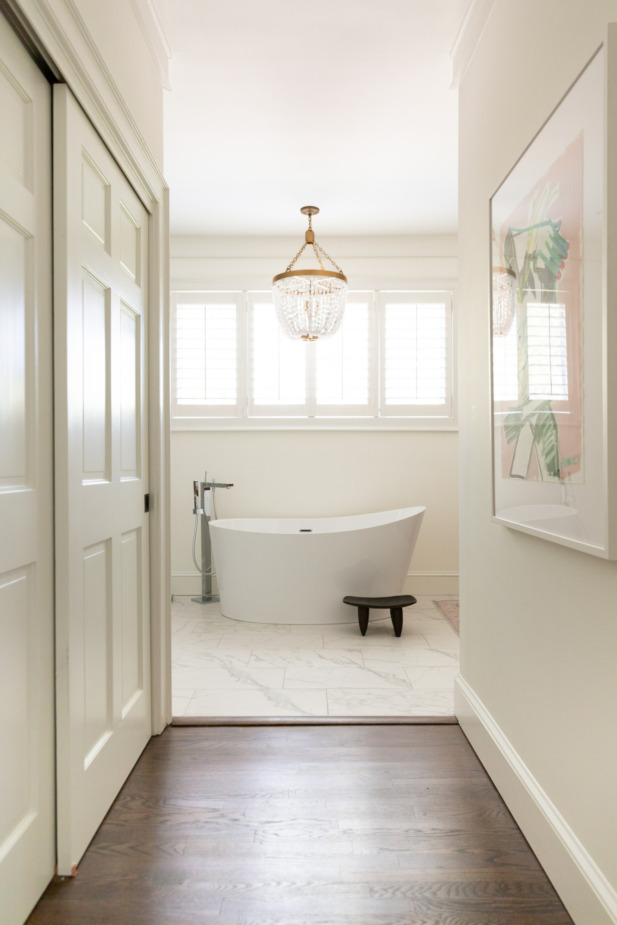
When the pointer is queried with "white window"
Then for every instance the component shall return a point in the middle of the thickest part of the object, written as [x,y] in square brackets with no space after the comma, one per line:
[547,350]
[391,360]
[277,364]
[532,363]
[344,363]
[206,354]
[415,354]
[325,378]
[505,365]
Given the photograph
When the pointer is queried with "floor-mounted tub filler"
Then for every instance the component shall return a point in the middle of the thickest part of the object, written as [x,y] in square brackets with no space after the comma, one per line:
[204,506]
[298,570]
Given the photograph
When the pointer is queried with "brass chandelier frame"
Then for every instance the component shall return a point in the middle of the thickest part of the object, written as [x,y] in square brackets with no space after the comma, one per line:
[309,239]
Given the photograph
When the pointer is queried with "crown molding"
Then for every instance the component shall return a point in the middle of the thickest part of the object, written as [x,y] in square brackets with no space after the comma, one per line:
[150,25]
[60,32]
[468,36]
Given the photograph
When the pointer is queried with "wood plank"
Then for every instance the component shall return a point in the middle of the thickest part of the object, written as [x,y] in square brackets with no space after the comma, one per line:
[323,825]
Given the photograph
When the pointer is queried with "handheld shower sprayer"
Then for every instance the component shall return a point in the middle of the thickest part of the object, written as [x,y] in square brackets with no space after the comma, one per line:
[197,506]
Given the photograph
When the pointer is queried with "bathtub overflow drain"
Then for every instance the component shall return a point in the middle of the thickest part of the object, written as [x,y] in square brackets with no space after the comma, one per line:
[305,530]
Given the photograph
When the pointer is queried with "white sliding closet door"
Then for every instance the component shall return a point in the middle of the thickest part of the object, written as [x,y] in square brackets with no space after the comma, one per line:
[102,622]
[27,836]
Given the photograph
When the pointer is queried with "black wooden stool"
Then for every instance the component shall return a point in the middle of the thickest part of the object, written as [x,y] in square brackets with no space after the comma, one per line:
[393,604]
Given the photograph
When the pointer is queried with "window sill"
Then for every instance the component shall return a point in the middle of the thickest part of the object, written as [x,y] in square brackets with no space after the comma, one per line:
[324,424]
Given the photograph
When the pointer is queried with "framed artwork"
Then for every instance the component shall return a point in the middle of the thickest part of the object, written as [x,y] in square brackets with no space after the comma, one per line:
[552,344]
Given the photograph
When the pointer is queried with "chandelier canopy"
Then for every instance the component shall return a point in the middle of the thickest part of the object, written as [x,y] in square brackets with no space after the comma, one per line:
[310,303]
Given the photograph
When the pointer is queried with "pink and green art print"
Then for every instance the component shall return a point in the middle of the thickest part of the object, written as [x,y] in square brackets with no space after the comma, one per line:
[538,246]
[553,234]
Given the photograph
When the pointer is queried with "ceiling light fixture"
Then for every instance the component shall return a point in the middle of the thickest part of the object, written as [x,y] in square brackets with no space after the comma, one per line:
[504,300]
[310,303]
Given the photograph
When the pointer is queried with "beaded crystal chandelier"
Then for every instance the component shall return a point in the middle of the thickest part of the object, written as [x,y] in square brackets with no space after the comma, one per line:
[310,303]
[504,300]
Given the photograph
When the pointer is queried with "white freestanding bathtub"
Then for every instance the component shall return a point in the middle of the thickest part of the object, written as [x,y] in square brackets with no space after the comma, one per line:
[299,570]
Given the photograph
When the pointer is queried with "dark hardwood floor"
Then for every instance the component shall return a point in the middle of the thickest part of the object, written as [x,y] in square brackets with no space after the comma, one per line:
[306,825]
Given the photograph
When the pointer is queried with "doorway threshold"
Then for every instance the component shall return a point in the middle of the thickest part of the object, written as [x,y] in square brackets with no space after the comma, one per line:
[314,721]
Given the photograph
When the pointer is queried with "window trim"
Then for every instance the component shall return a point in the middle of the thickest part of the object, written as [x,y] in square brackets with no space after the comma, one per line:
[196,410]
[388,297]
[422,420]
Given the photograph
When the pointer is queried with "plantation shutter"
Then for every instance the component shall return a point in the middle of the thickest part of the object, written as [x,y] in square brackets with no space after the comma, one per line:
[543,372]
[205,354]
[415,354]
[547,350]
[277,365]
[505,365]
[344,380]
[391,358]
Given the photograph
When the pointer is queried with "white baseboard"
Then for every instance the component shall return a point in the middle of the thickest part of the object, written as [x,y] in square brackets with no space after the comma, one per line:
[189,583]
[434,583]
[583,888]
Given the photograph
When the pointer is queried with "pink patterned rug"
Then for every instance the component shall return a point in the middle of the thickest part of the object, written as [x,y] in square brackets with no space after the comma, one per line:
[450,610]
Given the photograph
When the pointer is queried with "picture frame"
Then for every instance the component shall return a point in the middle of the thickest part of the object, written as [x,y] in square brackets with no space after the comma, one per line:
[554,323]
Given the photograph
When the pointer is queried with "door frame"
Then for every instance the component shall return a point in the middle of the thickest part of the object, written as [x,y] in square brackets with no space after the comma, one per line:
[61,43]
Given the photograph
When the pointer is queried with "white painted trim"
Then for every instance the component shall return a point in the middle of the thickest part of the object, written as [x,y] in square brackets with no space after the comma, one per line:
[435,583]
[583,888]
[282,247]
[58,30]
[438,582]
[159,464]
[150,25]
[315,424]
[183,583]
[63,34]
[467,37]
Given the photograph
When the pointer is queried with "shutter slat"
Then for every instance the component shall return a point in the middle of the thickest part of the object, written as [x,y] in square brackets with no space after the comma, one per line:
[408,365]
[277,363]
[342,362]
[415,353]
[206,354]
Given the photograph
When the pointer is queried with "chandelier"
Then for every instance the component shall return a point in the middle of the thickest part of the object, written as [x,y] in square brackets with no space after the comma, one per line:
[504,300]
[310,303]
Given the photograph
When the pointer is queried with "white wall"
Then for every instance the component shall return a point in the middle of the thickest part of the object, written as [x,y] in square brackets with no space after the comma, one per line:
[114,57]
[287,473]
[538,696]
[133,51]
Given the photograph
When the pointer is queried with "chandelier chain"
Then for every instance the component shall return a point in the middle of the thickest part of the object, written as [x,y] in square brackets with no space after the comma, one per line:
[317,249]
[297,257]
[316,252]
[327,256]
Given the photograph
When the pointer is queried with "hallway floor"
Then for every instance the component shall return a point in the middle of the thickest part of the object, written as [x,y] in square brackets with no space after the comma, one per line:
[307,825]
[225,668]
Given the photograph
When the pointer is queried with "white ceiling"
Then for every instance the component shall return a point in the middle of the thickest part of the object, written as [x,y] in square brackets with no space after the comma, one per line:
[343,104]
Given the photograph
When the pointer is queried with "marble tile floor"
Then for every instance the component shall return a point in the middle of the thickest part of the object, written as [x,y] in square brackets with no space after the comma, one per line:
[225,668]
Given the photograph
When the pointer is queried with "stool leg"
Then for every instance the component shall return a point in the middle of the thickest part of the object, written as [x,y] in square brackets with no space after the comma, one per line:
[397,620]
[363,619]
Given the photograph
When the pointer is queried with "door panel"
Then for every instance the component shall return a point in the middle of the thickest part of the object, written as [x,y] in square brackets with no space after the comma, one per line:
[103,653]
[27,836]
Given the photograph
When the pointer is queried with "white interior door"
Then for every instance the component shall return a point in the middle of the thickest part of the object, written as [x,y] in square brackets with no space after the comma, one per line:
[102,621]
[27,836]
